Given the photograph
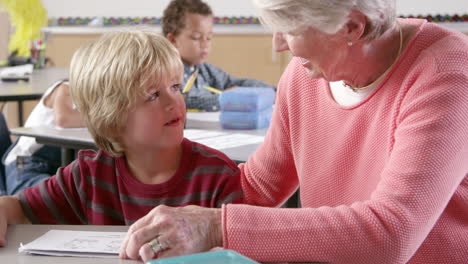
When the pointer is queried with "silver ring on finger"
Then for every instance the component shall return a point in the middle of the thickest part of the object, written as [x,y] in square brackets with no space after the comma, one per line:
[155,245]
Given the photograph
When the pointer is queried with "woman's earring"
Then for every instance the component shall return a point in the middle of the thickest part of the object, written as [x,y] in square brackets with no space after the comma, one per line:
[350,43]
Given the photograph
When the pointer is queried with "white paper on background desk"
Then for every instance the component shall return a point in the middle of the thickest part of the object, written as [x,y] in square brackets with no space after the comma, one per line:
[76,244]
[196,134]
[71,128]
[230,141]
[204,116]
[21,72]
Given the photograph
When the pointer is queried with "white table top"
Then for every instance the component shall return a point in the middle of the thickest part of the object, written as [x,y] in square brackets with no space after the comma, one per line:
[41,79]
[236,144]
[17,234]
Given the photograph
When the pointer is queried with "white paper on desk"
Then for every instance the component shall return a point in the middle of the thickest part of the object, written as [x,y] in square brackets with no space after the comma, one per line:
[76,244]
[231,141]
[204,116]
[71,128]
[21,71]
[196,134]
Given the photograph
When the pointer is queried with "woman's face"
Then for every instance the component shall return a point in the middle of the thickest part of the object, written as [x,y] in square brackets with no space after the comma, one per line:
[321,54]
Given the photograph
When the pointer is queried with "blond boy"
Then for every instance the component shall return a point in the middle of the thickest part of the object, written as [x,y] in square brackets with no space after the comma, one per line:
[127,88]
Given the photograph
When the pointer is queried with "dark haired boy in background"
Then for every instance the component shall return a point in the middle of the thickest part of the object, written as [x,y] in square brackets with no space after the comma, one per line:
[188,24]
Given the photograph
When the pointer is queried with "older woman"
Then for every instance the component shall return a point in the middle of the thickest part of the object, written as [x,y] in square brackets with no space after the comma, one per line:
[371,123]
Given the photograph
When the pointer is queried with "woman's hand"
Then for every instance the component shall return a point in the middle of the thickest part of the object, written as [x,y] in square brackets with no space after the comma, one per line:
[176,230]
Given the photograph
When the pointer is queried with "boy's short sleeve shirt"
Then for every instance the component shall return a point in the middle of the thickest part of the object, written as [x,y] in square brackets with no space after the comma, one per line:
[98,189]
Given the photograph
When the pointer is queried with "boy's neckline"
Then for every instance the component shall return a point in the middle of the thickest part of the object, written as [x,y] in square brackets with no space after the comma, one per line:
[164,186]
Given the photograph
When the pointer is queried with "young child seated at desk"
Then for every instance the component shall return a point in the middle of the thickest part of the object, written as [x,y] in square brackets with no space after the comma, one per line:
[188,24]
[27,163]
[127,88]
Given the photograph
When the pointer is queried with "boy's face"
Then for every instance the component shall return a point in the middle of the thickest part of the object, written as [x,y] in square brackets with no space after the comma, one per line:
[194,41]
[157,121]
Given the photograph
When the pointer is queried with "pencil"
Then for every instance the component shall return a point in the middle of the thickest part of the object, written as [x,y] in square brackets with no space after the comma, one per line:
[212,89]
[190,82]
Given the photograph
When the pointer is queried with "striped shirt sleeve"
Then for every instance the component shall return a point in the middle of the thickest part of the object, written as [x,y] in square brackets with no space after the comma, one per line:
[57,200]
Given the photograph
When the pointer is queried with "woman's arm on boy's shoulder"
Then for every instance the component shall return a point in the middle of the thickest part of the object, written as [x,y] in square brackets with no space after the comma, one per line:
[11,212]
[66,115]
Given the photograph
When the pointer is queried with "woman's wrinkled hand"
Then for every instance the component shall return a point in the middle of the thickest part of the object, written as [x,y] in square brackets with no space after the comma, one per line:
[176,230]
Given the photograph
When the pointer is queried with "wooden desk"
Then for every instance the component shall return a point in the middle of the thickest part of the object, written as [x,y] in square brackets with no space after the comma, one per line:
[17,234]
[40,80]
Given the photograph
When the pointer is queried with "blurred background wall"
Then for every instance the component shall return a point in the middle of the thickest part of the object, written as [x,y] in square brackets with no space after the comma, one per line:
[4,34]
[123,8]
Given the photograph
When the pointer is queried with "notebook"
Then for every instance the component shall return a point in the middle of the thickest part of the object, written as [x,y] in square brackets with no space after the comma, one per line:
[76,244]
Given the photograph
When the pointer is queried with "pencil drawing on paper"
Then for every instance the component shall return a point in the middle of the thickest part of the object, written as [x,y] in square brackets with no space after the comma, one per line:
[82,244]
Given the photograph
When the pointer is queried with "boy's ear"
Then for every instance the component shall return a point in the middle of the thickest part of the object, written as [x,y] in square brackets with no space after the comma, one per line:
[171,38]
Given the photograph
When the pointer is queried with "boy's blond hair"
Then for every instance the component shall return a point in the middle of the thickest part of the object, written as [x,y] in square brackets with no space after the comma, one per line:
[108,75]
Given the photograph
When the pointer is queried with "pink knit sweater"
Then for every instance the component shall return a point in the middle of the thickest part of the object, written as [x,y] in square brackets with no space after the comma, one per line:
[384,181]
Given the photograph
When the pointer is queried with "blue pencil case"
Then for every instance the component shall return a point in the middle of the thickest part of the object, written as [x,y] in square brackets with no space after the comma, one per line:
[247,99]
[215,257]
[246,120]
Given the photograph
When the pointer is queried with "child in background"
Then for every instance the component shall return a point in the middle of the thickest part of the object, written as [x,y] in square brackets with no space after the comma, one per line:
[27,163]
[127,88]
[188,24]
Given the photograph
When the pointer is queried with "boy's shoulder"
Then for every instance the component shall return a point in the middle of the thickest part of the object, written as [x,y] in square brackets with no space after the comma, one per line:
[210,155]
[206,67]
[92,156]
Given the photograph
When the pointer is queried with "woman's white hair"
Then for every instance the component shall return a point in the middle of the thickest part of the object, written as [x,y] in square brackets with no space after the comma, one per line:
[326,15]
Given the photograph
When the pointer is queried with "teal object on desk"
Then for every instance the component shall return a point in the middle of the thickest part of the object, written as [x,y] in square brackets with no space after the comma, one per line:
[214,257]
